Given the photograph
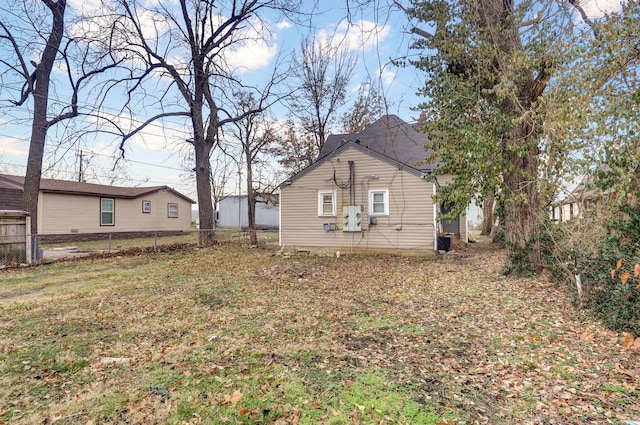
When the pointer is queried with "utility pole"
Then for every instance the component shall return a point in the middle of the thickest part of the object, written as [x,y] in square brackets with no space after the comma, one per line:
[80,172]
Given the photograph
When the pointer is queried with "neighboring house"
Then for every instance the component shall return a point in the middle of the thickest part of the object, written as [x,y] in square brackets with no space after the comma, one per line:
[575,204]
[233,212]
[567,209]
[73,207]
[369,191]
[10,196]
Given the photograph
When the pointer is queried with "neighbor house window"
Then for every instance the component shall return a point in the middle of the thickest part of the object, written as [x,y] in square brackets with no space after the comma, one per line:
[378,202]
[172,210]
[107,211]
[327,203]
[146,206]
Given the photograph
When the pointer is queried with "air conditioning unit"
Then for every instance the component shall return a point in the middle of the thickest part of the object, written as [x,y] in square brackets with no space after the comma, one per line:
[352,218]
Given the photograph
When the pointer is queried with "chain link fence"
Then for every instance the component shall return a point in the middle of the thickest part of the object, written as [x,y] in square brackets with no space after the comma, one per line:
[14,243]
[13,249]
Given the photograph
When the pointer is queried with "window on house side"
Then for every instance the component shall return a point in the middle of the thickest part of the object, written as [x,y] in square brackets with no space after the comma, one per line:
[107,211]
[378,202]
[172,210]
[146,206]
[327,203]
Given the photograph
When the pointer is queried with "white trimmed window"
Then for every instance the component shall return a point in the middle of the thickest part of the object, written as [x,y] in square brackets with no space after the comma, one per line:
[327,203]
[107,211]
[379,202]
[146,207]
[172,210]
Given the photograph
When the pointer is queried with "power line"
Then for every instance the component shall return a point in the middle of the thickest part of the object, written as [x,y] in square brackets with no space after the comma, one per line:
[96,175]
[134,161]
[58,145]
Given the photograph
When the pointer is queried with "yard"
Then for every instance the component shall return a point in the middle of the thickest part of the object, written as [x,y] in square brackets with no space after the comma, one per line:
[240,335]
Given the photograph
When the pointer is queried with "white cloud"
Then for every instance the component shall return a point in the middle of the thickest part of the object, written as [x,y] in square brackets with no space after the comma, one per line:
[86,6]
[13,146]
[597,8]
[250,55]
[359,35]
[158,136]
[387,75]
[283,25]
[252,49]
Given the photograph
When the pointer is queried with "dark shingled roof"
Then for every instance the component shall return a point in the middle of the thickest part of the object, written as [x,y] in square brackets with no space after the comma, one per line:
[390,136]
[80,188]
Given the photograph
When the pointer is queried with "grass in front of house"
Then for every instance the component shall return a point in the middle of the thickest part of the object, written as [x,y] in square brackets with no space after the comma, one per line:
[170,338]
[107,242]
[237,335]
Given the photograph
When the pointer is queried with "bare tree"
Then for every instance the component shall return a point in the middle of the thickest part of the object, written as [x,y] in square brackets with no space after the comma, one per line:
[222,171]
[179,54]
[295,149]
[321,75]
[256,134]
[368,107]
[35,77]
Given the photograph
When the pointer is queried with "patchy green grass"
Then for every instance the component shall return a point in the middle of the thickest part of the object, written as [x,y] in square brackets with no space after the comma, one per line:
[114,242]
[236,335]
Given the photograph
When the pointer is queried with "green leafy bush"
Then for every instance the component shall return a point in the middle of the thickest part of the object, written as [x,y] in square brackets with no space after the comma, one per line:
[593,247]
[614,294]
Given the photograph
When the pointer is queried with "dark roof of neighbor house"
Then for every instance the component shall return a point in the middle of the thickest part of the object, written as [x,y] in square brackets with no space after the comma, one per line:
[10,198]
[91,189]
[586,189]
[392,137]
[352,144]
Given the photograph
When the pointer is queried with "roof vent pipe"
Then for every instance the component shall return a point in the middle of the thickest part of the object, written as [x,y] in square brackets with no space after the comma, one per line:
[352,186]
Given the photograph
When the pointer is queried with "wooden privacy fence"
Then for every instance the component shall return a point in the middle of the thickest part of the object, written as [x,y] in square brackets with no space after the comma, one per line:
[15,240]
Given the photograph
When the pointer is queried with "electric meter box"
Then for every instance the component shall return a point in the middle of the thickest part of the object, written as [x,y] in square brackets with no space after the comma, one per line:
[352,218]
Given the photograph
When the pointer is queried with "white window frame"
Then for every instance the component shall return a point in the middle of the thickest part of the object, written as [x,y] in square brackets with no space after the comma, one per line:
[385,199]
[170,214]
[321,194]
[146,207]
[112,212]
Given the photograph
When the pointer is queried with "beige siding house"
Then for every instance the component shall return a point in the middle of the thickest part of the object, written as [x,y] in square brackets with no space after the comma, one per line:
[66,207]
[367,192]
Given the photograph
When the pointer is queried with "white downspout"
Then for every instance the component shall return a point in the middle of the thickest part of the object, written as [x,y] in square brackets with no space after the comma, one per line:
[435,219]
[280,217]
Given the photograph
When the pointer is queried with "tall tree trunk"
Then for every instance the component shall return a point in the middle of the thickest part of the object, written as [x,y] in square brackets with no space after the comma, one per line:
[34,165]
[251,202]
[522,198]
[207,234]
[522,204]
[488,218]
[40,124]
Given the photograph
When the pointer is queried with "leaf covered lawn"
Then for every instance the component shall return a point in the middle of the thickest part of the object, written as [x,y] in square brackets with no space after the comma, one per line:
[234,335]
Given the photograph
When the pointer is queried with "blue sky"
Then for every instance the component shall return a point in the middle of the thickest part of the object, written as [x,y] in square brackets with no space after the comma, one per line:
[373,35]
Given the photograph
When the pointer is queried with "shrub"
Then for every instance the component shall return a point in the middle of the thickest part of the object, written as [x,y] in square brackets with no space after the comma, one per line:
[596,244]
[615,294]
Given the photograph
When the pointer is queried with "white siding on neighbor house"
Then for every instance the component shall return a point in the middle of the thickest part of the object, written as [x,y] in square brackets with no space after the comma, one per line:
[409,224]
[228,213]
[566,211]
[64,213]
[570,210]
